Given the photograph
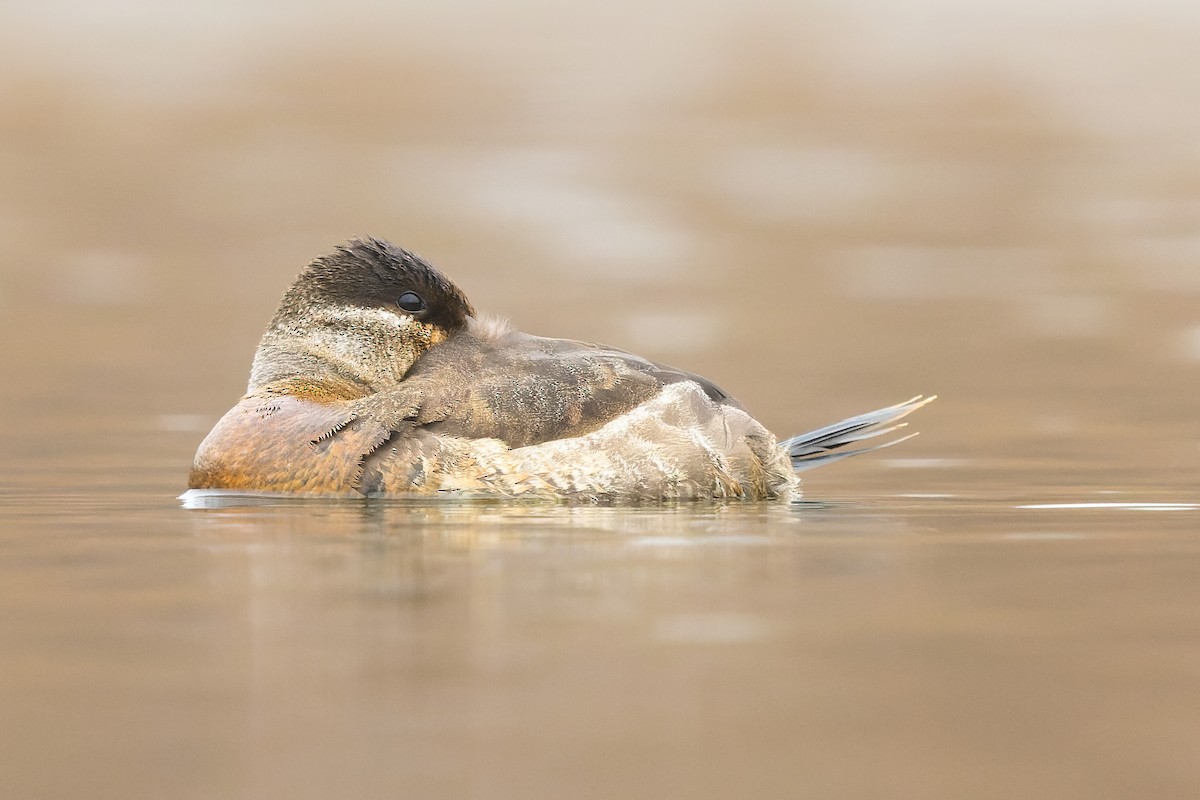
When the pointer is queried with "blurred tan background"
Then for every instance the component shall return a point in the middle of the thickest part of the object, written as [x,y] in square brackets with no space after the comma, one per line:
[825,207]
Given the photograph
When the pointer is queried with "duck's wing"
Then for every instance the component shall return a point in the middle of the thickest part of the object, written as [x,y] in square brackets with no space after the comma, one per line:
[525,390]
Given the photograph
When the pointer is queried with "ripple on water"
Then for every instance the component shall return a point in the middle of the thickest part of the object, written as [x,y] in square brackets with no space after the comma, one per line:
[1120,506]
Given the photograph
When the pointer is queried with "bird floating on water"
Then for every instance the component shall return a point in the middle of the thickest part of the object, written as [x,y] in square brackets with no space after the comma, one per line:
[376,378]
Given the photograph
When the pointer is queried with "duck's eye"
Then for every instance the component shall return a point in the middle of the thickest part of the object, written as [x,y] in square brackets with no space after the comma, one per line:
[411,302]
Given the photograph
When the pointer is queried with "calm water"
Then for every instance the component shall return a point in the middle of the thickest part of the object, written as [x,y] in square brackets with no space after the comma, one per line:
[823,211]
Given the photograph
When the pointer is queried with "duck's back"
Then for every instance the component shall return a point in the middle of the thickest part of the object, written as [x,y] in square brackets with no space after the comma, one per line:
[524,415]
[527,390]
[677,444]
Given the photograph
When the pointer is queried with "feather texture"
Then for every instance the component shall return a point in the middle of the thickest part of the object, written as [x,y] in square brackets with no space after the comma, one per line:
[823,446]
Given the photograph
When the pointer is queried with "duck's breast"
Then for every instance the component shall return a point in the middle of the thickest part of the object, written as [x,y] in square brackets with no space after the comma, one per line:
[282,444]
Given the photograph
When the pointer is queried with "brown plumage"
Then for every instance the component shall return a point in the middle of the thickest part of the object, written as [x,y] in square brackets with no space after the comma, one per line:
[376,377]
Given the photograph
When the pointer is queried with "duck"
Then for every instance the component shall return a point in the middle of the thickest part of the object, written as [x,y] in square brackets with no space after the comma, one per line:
[376,378]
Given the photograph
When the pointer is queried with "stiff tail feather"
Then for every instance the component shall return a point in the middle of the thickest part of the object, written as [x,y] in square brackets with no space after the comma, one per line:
[822,446]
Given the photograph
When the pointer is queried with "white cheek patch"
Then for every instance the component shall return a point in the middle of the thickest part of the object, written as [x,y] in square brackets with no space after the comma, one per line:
[367,318]
[372,343]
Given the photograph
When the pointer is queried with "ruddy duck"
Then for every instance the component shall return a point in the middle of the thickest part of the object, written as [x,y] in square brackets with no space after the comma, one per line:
[375,377]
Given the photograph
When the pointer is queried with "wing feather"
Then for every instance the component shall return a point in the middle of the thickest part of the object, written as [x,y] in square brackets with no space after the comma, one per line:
[525,390]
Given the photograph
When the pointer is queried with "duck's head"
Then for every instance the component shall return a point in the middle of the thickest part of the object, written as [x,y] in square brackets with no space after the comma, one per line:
[363,314]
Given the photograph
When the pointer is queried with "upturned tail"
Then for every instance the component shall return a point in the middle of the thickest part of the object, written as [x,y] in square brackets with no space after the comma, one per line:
[823,445]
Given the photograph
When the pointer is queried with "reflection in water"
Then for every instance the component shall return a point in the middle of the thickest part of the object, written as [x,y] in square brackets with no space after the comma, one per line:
[311,648]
